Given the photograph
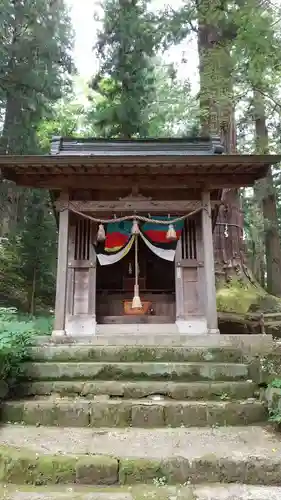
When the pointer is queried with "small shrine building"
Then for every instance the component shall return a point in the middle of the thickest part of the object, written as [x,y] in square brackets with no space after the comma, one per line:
[136,217]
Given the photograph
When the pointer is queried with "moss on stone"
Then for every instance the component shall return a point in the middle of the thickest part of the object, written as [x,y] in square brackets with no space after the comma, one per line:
[142,389]
[28,468]
[268,367]
[61,470]
[110,415]
[148,415]
[72,413]
[138,371]
[131,354]
[137,470]
[25,467]
[241,297]
[237,297]
[16,467]
[122,414]
[39,413]
[12,412]
[100,470]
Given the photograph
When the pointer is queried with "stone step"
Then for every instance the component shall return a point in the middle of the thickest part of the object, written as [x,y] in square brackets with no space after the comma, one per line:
[80,353]
[188,492]
[138,389]
[254,343]
[246,455]
[131,371]
[68,412]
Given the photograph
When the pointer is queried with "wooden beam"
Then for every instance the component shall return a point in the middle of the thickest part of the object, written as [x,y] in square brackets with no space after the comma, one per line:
[145,206]
[117,182]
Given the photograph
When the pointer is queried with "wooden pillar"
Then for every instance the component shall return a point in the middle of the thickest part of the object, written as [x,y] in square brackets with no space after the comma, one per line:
[62,270]
[209,265]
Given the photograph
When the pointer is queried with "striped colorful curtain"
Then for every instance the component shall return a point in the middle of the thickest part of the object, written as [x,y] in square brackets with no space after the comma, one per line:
[155,237]
[119,240]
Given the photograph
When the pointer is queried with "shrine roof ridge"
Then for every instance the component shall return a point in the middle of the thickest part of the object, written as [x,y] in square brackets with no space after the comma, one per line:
[193,146]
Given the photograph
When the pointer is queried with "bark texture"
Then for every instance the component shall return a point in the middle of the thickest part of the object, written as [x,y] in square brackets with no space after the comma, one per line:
[266,197]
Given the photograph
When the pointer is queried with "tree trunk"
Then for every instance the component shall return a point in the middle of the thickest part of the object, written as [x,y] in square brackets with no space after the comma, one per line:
[11,143]
[238,294]
[32,294]
[265,192]
[217,118]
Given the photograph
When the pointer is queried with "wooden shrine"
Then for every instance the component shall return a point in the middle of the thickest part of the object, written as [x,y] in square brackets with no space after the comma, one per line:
[135,187]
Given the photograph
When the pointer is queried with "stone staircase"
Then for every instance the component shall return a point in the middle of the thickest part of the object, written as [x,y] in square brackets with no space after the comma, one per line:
[107,421]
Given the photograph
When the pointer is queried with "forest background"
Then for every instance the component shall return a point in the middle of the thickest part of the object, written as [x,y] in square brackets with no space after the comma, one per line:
[137,91]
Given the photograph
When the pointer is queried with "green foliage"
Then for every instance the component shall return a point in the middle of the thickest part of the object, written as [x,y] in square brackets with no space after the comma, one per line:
[126,80]
[38,249]
[15,338]
[35,72]
[28,258]
[173,110]
[273,399]
[276,383]
[11,281]
[68,117]
[34,68]
[275,416]
[11,320]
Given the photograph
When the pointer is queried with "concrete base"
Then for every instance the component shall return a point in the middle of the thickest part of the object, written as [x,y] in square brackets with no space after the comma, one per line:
[58,333]
[194,326]
[80,325]
[214,331]
[137,329]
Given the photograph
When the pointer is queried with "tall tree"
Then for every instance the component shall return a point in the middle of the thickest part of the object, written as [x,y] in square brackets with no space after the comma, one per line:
[37,250]
[125,46]
[171,111]
[265,192]
[34,67]
[239,44]
[35,71]
[67,117]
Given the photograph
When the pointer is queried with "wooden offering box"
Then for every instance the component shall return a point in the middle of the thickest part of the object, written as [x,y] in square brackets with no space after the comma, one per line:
[146,305]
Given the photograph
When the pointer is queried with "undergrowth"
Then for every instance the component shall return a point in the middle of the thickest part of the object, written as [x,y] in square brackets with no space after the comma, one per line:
[15,338]
[274,409]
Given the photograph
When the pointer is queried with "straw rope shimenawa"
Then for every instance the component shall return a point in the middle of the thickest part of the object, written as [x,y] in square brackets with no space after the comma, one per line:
[141,218]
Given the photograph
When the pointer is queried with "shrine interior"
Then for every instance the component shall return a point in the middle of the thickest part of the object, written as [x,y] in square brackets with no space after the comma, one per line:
[115,288]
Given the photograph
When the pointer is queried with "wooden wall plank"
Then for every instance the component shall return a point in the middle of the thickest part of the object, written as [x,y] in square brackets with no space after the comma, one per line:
[81,291]
[190,284]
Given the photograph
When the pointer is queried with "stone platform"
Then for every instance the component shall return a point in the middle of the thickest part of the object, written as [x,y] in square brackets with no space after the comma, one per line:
[189,492]
[251,455]
[151,418]
[259,343]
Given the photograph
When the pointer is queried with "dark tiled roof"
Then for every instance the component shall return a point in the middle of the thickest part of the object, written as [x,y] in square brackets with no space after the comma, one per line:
[137,147]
